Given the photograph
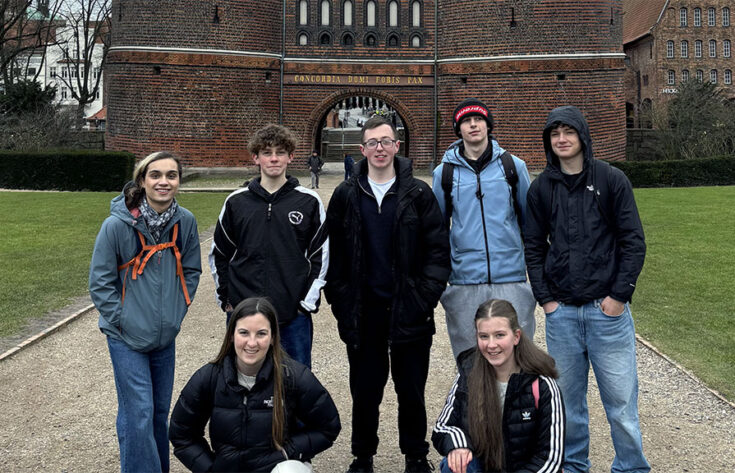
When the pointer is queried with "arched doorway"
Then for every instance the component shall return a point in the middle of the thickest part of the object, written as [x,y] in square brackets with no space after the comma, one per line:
[340,119]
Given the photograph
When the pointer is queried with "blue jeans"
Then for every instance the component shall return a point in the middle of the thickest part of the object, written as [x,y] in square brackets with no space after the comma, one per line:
[144,383]
[577,336]
[296,338]
[472,467]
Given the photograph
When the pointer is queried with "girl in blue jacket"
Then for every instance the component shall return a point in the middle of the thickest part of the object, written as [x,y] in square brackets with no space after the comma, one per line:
[144,272]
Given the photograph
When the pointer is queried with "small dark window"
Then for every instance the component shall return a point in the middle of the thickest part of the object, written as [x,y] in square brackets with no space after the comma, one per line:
[347,40]
[371,40]
[325,39]
[394,41]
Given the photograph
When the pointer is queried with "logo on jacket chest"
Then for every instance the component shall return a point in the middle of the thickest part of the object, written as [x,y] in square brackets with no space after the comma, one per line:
[268,402]
[295,217]
[525,416]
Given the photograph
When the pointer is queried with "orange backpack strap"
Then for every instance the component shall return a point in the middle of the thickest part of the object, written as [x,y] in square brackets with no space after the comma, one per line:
[139,261]
[534,388]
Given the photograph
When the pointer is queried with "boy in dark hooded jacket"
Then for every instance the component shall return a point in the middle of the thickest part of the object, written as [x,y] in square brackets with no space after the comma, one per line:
[585,248]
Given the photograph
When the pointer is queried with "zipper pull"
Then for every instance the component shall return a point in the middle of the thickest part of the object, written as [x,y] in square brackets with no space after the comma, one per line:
[270,208]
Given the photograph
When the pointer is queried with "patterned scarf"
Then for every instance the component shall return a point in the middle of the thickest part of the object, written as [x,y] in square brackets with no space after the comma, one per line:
[154,220]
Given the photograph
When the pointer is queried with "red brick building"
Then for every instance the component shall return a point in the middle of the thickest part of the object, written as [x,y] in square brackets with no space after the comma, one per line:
[198,76]
[670,41]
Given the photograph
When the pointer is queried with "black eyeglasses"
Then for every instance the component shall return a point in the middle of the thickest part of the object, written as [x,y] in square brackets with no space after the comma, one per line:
[385,143]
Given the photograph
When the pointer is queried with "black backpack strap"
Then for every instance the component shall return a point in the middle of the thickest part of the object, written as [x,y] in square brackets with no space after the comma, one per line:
[447,174]
[511,176]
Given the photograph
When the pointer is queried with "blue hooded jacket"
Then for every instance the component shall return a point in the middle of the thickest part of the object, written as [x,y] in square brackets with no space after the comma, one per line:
[154,306]
[485,240]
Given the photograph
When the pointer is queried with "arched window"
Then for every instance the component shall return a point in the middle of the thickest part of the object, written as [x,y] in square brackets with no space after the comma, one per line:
[370,13]
[393,41]
[698,48]
[415,41]
[325,39]
[303,12]
[728,76]
[712,48]
[697,17]
[416,14]
[347,13]
[348,40]
[685,48]
[325,13]
[711,16]
[713,76]
[726,48]
[671,77]
[725,16]
[700,75]
[303,39]
[669,49]
[685,75]
[371,40]
[683,17]
[393,13]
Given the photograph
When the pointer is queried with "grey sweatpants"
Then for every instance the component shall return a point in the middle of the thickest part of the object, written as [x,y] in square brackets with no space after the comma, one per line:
[461,302]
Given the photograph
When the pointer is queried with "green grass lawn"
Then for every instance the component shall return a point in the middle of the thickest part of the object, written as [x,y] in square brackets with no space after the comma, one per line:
[681,304]
[46,241]
[683,301]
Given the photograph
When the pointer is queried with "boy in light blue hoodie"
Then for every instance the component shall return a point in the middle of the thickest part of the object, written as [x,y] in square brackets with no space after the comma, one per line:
[485,230]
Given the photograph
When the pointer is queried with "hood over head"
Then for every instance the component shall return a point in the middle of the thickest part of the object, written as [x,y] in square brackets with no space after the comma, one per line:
[571,116]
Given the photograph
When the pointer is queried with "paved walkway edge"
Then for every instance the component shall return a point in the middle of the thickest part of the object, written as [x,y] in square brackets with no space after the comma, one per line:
[689,374]
[45,333]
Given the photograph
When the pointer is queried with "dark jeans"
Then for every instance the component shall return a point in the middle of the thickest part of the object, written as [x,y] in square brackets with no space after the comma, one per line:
[369,365]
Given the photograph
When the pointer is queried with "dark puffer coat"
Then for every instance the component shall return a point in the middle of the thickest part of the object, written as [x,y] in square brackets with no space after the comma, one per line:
[585,241]
[533,438]
[420,257]
[240,419]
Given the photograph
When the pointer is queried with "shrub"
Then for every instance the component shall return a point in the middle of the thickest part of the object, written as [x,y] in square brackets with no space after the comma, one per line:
[66,170]
[681,173]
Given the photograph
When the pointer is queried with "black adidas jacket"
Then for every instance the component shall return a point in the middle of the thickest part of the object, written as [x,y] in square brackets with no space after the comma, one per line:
[533,438]
[272,245]
[240,419]
[583,242]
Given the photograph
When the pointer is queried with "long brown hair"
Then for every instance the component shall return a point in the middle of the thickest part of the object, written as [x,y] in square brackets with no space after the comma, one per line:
[134,189]
[485,412]
[249,307]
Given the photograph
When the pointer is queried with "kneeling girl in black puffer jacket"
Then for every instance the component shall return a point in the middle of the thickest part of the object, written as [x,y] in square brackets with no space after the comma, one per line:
[263,408]
[504,412]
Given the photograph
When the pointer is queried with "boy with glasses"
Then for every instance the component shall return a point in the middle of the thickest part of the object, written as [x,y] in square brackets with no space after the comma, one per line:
[390,265]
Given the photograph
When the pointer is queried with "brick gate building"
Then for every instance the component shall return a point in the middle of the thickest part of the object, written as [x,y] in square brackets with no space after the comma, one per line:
[198,76]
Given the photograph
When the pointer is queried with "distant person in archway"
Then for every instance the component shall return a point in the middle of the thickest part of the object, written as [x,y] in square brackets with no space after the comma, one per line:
[481,189]
[271,240]
[349,164]
[315,163]
[390,264]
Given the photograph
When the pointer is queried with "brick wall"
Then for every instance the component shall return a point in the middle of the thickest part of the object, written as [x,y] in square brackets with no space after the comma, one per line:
[204,106]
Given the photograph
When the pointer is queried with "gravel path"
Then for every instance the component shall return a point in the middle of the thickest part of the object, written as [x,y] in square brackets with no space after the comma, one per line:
[58,402]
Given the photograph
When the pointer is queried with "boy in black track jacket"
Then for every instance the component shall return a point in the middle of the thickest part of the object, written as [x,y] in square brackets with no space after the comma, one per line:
[584,251]
[271,241]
